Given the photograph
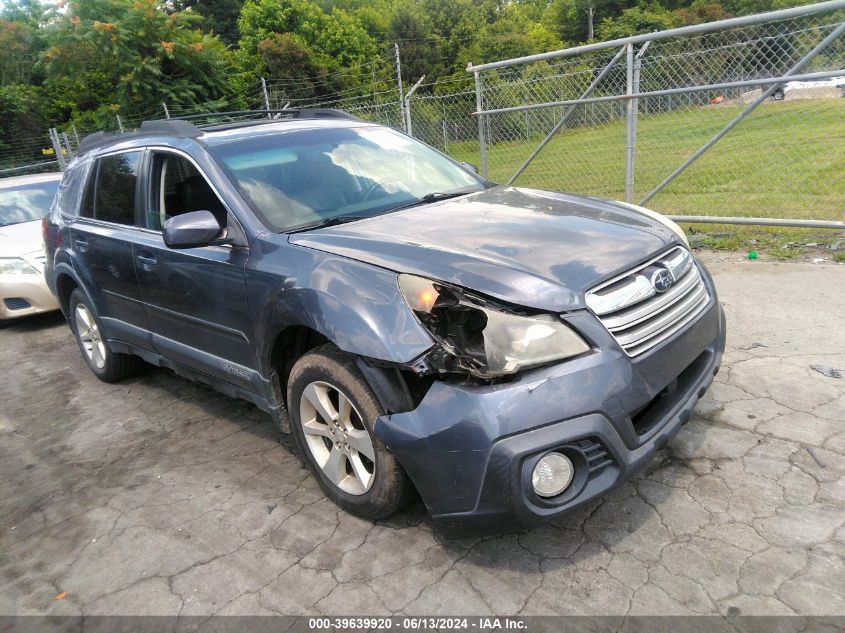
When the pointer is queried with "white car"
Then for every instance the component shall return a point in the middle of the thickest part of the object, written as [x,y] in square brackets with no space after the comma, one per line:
[24,201]
[810,89]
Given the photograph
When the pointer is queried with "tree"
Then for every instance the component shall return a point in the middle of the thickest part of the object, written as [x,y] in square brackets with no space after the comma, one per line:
[22,40]
[514,34]
[453,25]
[18,55]
[221,18]
[22,122]
[644,18]
[575,20]
[702,11]
[411,27]
[336,45]
[127,56]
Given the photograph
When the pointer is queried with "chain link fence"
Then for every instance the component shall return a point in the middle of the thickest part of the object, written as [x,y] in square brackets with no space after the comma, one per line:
[782,154]
[630,120]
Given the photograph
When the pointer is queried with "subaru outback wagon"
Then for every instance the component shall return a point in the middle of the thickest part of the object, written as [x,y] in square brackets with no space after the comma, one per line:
[507,354]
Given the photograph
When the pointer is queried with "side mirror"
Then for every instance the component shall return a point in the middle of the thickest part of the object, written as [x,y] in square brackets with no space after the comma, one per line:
[469,167]
[190,230]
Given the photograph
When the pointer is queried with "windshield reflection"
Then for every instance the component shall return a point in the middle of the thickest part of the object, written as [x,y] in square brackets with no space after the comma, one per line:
[295,179]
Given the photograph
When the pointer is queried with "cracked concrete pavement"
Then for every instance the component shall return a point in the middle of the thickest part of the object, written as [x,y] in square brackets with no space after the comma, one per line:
[159,496]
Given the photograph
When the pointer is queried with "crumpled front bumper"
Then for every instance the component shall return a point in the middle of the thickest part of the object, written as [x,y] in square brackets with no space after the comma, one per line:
[470,449]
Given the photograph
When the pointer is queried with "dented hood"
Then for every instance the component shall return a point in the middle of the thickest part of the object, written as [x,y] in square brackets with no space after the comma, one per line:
[526,247]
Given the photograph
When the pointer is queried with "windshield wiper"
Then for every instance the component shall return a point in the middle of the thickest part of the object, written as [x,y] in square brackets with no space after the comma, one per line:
[338,219]
[435,196]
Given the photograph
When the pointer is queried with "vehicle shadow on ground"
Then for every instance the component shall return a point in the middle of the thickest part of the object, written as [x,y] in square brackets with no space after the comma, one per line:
[34,323]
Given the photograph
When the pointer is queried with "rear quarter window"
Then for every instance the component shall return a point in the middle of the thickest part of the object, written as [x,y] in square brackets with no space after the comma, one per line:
[67,198]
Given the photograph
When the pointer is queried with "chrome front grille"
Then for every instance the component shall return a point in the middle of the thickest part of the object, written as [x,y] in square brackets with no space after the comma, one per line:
[637,314]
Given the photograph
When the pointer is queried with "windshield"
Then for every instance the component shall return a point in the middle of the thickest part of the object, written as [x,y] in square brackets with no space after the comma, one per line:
[25,203]
[294,180]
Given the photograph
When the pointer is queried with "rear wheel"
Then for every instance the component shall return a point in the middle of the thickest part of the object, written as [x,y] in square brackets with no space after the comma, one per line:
[332,411]
[106,365]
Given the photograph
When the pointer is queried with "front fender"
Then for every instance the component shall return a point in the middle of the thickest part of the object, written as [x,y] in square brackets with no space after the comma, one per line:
[356,306]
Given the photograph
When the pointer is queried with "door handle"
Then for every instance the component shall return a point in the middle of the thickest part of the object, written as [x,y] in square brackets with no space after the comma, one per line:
[147,263]
[81,245]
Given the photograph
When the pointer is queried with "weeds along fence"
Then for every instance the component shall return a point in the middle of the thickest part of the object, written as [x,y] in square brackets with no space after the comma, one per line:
[742,118]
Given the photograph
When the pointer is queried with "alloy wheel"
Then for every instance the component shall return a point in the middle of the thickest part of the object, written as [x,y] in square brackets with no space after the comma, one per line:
[337,437]
[89,334]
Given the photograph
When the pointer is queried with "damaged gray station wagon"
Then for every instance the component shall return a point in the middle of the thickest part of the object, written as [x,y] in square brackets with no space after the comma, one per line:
[505,353]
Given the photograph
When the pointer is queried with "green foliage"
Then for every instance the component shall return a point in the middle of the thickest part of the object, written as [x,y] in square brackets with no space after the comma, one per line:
[279,32]
[221,18]
[644,18]
[98,58]
[16,42]
[21,117]
[745,7]
[126,57]
[514,34]
[419,45]
[338,37]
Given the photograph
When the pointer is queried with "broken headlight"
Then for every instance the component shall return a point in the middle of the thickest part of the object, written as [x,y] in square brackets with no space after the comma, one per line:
[482,338]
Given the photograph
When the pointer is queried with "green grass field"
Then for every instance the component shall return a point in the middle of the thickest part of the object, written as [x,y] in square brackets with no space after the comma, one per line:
[786,160]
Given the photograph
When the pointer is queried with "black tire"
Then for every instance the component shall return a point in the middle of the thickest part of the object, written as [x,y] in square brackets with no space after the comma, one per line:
[114,366]
[778,95]
[390,489]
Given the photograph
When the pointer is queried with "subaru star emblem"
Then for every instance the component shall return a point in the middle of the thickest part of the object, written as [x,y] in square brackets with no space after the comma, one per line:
[662,280]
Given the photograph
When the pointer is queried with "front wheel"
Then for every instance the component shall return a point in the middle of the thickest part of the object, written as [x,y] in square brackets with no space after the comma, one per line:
[332,411]
[106,365]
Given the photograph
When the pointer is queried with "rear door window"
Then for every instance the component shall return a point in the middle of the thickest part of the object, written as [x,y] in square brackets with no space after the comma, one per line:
[112,191]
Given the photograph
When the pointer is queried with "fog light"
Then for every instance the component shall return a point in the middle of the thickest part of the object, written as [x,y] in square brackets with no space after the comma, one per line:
[552,474]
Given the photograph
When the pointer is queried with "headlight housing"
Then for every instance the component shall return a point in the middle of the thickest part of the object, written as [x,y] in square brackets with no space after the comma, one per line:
[482,338]
[15,266]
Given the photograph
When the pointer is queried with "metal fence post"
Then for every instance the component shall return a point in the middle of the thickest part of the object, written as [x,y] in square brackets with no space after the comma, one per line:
[266,97]
[445,127]
[399,83]
[409,129]
[57,148]
[75,135]
[634,113]
[166,111]
[119,123]
[67,144]
[480,108]
[629,123]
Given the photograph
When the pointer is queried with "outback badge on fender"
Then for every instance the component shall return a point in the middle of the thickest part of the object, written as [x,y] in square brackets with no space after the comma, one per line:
[662,280]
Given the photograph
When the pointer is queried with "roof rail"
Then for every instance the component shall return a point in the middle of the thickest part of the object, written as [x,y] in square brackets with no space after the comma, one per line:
[181,127]
[170,127]
[296,113]
[92,140]
[165,127]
